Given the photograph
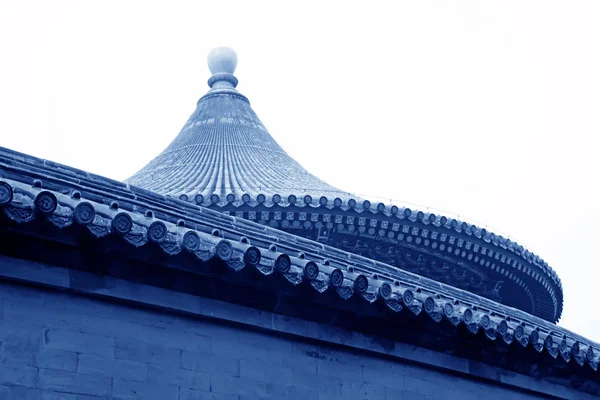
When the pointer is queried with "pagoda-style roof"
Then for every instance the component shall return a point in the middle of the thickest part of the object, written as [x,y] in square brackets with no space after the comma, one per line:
[226,160]
[224,150]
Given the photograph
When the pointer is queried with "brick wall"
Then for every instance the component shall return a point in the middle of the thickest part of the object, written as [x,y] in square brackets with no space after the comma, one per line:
[57,345]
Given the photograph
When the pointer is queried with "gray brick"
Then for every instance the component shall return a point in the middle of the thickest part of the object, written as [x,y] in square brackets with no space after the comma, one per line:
[86,397]
[296,363]
[131,370]
[179,377]
[378,377]
[323,384]
[63,381]
[395,394]
[17,375]
[13,329]
[112,345]
[123,369]
[323,396]
[114,327]
[282,391]
[240,351]
[35,315]
[362,390]
[28,352]
[190,394]
[250,388]
[80,342]
[94,365]
[149,353]
[428,387]
[57,359]
[144,390]
[14,393]
[20,344]
[61,312]
[210,363]
[271,357]
[23,393]
[339,370]
[265,373]
[47,395]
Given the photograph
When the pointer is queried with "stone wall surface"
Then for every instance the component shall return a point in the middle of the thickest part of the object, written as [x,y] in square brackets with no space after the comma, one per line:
[56,345]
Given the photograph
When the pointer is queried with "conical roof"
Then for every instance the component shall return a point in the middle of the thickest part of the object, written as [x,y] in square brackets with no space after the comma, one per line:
[224,149]
[225,159]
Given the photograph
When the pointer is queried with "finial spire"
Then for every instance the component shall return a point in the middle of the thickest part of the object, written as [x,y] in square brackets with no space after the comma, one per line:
[222,62]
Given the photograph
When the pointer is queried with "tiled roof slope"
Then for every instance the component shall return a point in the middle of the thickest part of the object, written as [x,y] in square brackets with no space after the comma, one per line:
[225,159]
[224,149]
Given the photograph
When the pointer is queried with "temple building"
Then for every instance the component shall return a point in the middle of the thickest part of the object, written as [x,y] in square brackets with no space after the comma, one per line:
[224,270]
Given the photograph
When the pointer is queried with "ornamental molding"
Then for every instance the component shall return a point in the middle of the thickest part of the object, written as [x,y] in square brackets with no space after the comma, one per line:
[242,244]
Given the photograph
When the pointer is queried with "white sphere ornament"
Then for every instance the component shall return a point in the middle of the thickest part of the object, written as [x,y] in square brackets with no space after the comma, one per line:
[222,60]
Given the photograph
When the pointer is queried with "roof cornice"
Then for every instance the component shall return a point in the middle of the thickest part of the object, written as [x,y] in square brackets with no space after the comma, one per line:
[33,189]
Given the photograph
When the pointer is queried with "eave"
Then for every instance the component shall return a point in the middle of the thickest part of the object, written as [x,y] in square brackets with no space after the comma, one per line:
[33,190]
[443,241]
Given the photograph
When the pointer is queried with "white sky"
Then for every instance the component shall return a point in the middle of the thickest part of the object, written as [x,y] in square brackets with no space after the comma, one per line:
[486,109]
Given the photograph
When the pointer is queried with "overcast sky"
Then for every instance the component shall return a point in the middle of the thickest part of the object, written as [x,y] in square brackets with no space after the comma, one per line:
[490,110]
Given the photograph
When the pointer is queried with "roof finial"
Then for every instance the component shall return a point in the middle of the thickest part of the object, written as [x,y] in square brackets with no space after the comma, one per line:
[222,62]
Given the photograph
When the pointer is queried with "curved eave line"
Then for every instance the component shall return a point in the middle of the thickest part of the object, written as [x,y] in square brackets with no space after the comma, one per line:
[520,263]
[367,208]
[298,260]
[27,168]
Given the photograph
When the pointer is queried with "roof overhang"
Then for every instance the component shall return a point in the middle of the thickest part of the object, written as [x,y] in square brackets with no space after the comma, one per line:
[57,207]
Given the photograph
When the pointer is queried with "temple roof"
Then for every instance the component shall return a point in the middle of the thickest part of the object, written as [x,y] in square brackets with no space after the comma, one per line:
[224,149]
[225,159]
[216,197]
[56,203]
